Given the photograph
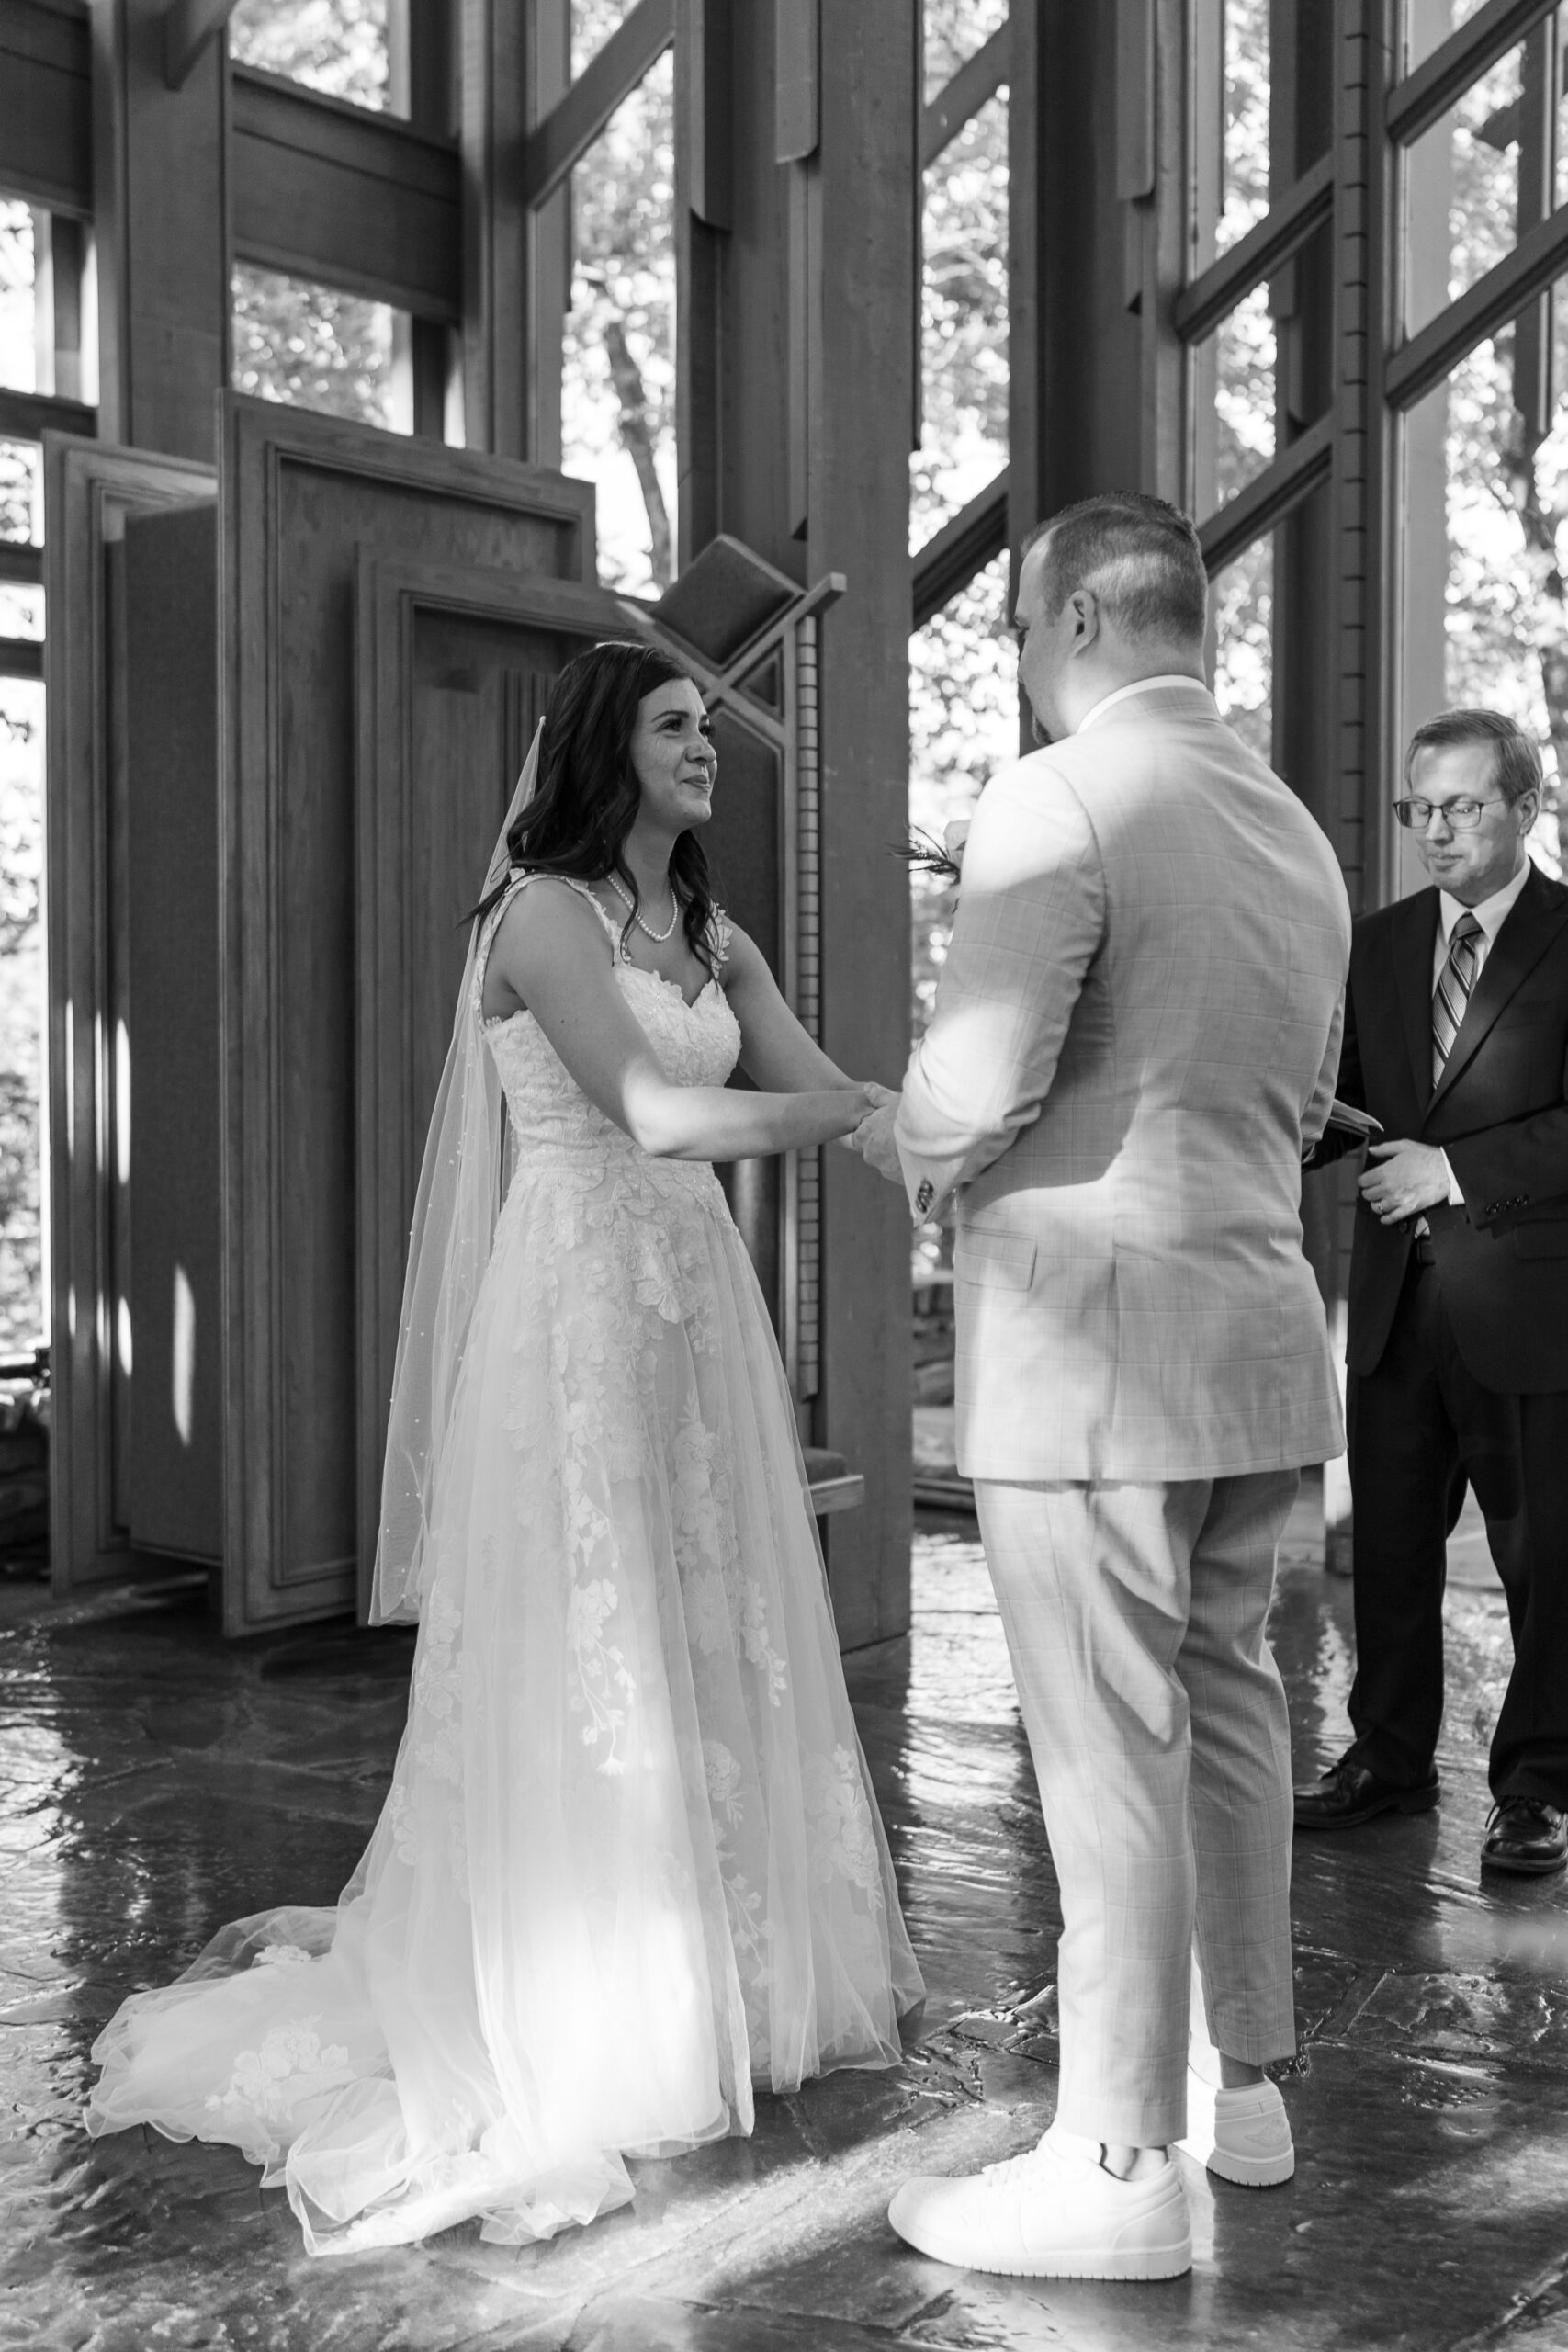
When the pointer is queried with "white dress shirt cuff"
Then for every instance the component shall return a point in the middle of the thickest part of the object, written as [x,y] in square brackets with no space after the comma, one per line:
[1456,1198]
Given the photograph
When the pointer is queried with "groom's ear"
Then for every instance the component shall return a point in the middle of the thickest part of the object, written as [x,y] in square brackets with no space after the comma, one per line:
[1085,606]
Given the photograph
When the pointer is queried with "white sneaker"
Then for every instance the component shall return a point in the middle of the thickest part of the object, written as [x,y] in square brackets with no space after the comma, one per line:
[1048,2215]
[1244,2136]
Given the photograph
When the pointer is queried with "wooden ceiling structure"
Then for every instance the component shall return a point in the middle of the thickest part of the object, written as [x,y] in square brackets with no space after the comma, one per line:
[802,137]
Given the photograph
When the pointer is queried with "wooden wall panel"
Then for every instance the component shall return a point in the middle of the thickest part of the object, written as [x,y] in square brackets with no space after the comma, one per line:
[170,640]
[89,491]
[303,496]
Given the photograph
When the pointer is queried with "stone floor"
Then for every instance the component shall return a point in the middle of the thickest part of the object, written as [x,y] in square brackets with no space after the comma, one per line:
[160,1781]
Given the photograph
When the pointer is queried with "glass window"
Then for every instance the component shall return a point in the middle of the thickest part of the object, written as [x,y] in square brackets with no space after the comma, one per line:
[1429,23]
[1485,546]
[18,350]
[1241,618]
[341,47]
[592,22]
[956,31]
[1243,189]
[1233,406]
[964,438]
[618,351]
[1486,172]
[23,1310]
[312,347]
[21,491]
[21,612]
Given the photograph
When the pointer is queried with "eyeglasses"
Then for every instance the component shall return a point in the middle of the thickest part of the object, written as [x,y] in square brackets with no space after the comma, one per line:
[1462,815]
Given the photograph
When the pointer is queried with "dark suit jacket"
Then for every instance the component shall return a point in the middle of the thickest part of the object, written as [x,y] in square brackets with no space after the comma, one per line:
[1501,1114]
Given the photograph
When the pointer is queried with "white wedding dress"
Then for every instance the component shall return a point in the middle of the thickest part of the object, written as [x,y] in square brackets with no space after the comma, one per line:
[630,1863]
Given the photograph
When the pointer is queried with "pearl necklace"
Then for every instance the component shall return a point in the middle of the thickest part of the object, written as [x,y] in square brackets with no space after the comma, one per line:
[658,937]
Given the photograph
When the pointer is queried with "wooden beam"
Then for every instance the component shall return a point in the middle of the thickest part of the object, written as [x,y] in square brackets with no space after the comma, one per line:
[325,191]
[46,107]
[21,657]
[966,542]
[1271,495]
[1424,96]
[27,416]
[975,82]
[190,26]
[554,149]
[1540,257]
[1282,231]
[21,565]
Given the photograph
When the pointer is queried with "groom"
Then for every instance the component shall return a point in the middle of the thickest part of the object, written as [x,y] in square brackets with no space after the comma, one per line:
[1135,1036]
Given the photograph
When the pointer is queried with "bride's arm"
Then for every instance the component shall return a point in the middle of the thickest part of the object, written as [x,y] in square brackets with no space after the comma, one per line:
[550,951]
[775,1051]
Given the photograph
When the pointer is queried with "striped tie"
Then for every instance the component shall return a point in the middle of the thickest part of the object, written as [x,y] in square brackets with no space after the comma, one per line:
[1454,983]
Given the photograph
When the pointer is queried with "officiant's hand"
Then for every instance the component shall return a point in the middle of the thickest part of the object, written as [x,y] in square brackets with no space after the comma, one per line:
[954,838]
[874,1139]
[1399,1180]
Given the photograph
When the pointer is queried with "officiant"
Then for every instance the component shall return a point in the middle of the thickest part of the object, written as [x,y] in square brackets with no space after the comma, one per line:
[1456,1041]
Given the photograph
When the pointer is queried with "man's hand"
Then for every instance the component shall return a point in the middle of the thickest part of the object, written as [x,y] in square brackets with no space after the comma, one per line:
[873,1141]
[1409,1177]
[953,837]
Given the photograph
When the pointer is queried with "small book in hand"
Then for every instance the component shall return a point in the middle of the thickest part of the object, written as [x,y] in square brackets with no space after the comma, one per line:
[1345,1120]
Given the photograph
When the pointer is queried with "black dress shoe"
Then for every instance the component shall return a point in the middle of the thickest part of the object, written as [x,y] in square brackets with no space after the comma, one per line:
[1525,1834]
[1349,1793]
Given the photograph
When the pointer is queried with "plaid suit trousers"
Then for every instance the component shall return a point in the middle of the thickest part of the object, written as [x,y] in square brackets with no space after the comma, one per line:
[1134,1617]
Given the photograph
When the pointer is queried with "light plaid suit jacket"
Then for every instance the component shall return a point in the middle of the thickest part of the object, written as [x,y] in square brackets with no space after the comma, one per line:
[1136,1028]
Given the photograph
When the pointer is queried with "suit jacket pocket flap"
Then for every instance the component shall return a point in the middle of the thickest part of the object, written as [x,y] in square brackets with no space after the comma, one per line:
[996,1261]
[1541,1240]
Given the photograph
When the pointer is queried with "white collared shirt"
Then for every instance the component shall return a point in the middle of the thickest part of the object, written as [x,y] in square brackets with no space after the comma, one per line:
[1138,686]
[1491,914]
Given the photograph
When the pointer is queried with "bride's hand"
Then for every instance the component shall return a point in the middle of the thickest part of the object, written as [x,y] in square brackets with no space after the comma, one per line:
[867,1098]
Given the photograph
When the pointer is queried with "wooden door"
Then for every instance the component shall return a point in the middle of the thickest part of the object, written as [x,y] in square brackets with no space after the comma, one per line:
[91,493]
[172,1478]
[310,503]
[454,668]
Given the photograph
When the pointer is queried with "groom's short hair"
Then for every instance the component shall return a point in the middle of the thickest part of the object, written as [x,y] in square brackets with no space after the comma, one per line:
[1138,554]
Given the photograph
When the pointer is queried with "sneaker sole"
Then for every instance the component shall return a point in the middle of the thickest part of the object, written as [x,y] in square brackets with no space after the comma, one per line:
[1403,1800]
[1253,2172]
[1135,2265]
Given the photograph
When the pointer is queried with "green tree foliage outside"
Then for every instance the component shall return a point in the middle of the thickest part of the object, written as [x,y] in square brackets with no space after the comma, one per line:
[21,835]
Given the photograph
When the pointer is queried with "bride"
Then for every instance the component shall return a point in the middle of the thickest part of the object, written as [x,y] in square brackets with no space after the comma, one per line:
[630,1864]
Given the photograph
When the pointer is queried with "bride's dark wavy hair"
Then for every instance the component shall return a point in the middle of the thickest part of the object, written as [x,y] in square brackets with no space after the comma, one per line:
[586,794]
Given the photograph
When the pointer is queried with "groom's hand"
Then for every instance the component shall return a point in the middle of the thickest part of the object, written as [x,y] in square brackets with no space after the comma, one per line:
[873,1141]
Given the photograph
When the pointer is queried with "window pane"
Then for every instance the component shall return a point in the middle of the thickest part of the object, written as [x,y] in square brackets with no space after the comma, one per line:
[964,437]
[956,31]
[337,46]
[1429,23]
[1242,616]
[21,491]
[22,611]
[963,726]
[22,1308]
[592,22]
[1485,542]
[1480,177]
[312,347]
[18,361]
[1243,187]
[1234,404]
[618,353]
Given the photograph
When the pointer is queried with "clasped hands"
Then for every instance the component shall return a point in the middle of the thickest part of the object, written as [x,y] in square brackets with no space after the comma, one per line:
[1408,1178]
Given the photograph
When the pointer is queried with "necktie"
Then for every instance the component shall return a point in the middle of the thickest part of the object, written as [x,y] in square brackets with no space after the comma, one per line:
[1454,983]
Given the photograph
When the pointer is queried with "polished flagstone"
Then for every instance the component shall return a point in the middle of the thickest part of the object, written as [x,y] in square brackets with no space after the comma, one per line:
[159,1782]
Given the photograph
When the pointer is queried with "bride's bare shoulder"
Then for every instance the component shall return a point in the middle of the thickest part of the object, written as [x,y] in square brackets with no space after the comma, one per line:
[549,927]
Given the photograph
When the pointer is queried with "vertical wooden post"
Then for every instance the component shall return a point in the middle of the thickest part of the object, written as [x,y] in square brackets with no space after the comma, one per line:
[514,68]
[704,217]
[423,88]
[160,173]
[861,294]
